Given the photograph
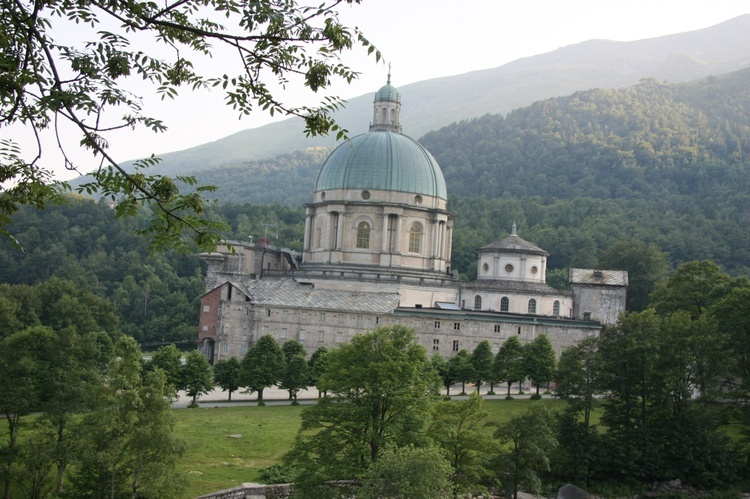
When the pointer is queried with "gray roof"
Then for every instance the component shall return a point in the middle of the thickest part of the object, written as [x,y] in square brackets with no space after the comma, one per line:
[289,293]
[512,286]
[599,277]
[514,243]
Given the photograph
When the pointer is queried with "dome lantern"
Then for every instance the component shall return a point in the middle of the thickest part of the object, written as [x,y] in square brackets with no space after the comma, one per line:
[387,108]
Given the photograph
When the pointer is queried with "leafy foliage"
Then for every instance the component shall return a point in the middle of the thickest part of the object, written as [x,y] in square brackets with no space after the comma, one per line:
[46,81]
[531,438]
[481,363]
[456,427]
[539,360]
[262,366]
[509,366]
[196,376]
[379,384]
[226,373]
[408,473]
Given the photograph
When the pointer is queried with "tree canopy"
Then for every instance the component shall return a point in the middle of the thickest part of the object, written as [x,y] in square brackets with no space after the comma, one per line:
[379,382]
[50,81]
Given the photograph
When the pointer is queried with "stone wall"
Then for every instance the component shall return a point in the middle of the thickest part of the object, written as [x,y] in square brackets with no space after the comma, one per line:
[251,491]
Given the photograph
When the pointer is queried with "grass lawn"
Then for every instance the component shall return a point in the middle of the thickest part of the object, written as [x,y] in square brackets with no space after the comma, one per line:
[229,446]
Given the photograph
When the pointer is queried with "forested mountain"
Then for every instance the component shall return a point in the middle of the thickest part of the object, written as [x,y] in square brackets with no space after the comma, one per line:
[156,296]
[655,166]
[435,103]
[662,163]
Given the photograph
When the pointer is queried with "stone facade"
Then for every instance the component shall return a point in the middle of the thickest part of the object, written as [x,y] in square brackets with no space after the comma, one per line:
[377,252]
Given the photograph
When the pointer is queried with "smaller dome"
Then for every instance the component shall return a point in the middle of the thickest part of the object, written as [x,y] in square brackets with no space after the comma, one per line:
[387,93]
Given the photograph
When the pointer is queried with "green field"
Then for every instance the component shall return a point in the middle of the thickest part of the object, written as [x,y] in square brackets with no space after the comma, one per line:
[229,446]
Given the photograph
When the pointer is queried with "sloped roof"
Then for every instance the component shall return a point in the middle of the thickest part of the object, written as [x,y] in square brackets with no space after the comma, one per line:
[512,286]
[599,277]
[514,243]
[289,293]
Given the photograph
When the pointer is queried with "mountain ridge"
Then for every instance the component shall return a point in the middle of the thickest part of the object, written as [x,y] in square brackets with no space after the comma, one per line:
[677,57]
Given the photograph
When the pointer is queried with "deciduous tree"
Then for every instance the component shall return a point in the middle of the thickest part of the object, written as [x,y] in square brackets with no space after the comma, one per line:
[457,428]
[196,376]
[481,363]
[509,363]
[540,360]
[227,375]
[531,440]
[262,366]
[295,377]
[380,382]
[128,446]
[48,80]
[407,473]
[317,365]
[461,368]
[169,359]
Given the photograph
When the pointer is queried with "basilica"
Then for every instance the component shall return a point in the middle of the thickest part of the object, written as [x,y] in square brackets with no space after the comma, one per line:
[377,251]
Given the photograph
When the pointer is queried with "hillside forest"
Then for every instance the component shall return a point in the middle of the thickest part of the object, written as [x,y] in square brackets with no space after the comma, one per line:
[642,178]
[652,179]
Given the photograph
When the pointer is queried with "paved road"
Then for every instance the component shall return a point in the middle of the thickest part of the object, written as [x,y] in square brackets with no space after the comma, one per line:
[275,396]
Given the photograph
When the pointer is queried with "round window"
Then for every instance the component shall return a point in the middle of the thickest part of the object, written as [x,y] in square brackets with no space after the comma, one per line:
[365,194]
[534,270]
[322,195]
[486,267]
[509,268]
[417,199]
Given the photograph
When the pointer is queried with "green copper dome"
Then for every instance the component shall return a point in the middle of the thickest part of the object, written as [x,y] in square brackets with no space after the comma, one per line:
[381,160]
[387,92]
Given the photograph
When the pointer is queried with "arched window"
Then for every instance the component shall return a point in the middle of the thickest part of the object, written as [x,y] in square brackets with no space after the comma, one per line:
[415,238]
[477,302]
[532,306]
[556,308]
[504,304]
[363,235]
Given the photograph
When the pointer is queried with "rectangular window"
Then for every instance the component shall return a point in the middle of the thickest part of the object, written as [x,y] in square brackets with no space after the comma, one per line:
[244,349]
[437,324]
[497,328]
[301,336]
[268,312]
[455,345]
[285,315]
[206,308]
[360,320]
[436,344]
[341,318]
[224,347]
[456,326]
[322,317]
[339,337]
[283,333]
[377,320]
[205,328]
[321,336]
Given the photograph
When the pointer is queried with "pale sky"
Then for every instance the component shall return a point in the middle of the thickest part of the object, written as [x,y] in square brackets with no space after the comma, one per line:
[424,39]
